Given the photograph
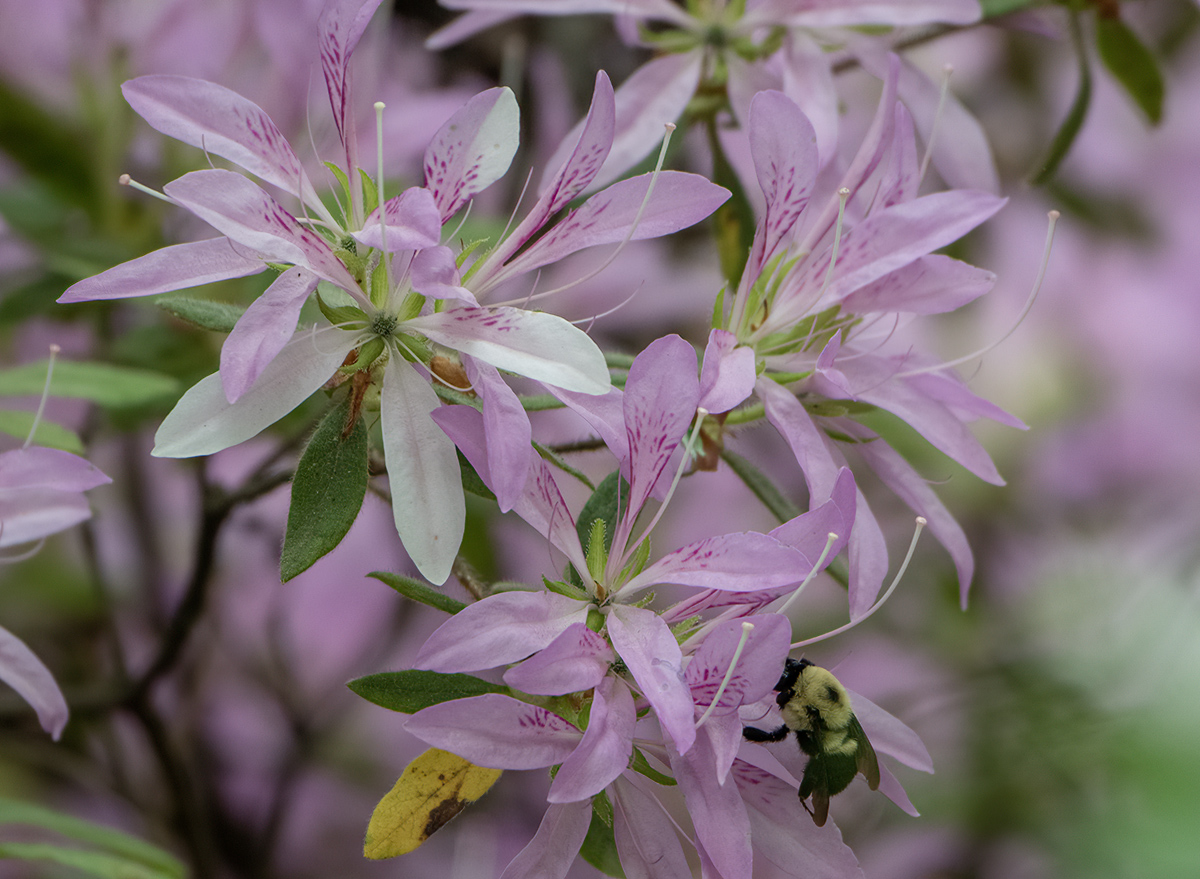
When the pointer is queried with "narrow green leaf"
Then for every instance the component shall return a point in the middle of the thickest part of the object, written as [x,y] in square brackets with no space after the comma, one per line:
[642,765]
[540,402]
[327,491]
[1073,123]
[418,591]
[411,690]
[103,383]
[734,220]
[559,462]
[129,848]
[49,434]
[472,481]
[203,313]
[600,846]
[992,8]
[764,489]
[100,864]
[1132,65]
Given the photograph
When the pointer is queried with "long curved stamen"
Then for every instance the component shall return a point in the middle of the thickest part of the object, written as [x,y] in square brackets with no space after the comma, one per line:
[37,416]
[126,180]
[937,119]
[1033,294]
[637,219]
[816,569]
[921,523]
[747,628]
[380,198]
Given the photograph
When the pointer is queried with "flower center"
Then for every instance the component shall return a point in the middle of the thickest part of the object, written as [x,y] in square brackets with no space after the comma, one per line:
[383,324]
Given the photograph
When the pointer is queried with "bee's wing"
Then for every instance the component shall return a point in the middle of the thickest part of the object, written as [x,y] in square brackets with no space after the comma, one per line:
[867,762]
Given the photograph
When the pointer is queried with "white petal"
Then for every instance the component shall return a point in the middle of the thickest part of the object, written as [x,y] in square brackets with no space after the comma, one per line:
[427,498]
[204,421]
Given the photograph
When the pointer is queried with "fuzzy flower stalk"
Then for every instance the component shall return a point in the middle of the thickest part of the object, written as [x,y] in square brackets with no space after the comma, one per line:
[403,313]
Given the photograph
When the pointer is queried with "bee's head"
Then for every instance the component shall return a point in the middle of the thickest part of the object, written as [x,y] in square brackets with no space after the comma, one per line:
[786,686]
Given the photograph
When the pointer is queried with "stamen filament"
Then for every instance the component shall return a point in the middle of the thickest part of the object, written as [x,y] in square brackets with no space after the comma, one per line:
[921,523]
[126,180]
[383,251]
[816,569]
[37,416]
[937,119]
[1033,295]
[747,628]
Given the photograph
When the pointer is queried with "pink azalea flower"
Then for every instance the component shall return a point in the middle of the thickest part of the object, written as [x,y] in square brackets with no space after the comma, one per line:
[41,493]
[746,47]
[822,333]
[401,297]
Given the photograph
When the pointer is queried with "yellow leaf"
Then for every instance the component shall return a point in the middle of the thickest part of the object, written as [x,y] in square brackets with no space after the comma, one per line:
[433,789]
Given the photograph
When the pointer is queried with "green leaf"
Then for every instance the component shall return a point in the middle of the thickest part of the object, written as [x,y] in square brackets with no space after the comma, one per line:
[642,765]
[418,591]
[1132,65]
[123,855]
[1073,123]
[49,434]
[411,690]
[472,481]
[764,489]
[602,505]
[37,141]
[203,313]
[992,8]
[600,846]
[327,491]
[733,221]
[111,386]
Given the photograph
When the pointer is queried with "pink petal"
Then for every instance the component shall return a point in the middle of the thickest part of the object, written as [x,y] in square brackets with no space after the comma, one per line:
[534,344]
[661,394]
[435,274]
[646,840]
[809,532]
[757,668]
[411,219]
[502,628]
[34,513]
[39,467]
[167,270]
[746,562]
[263,329]
[604,752]
[555,846]
[785,835]
[508,432]
[678,200]
[473,149]
[24,672]
[890,735]
[717,813]
[653,657]
[577,660]
[236,207]
[784,147]
[222,122]
[496,731]
[932,284]
[728,374]
[342,24]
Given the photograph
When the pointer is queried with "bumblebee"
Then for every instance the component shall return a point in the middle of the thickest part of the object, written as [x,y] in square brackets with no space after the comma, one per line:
[816,707]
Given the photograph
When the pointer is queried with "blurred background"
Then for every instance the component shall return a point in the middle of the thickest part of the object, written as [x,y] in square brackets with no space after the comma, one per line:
[209,709]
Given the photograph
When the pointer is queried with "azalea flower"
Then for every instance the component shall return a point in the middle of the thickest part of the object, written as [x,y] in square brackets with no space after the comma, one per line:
[396,296]
[41,493]
[736,48]
[828,283]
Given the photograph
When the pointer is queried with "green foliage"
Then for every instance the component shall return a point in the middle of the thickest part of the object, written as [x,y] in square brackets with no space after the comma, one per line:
[411,690]
[203,313]
[327,491]
[114,387]
[607,502]
[600,846]
[109,854]
[1073,123]
[49,434]
[418,591]
[1131,64]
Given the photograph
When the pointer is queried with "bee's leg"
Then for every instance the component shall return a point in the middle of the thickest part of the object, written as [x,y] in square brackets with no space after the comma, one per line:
[762,735]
